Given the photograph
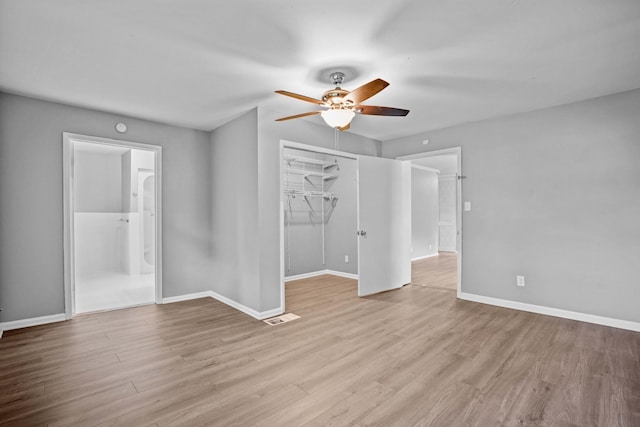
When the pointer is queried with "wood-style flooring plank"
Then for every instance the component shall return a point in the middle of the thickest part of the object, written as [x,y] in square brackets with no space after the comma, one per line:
[413,356]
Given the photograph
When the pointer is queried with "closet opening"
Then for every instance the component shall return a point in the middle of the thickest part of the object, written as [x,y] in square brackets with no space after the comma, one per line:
[319,219]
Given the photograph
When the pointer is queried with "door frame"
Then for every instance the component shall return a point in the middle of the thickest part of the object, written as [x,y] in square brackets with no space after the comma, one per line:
[298,146]
[68,140]
[458,152]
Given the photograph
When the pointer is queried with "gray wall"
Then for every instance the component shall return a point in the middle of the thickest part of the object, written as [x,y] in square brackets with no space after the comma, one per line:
[98,182]
[234,197]
[341,230]
[220,202]
[424,213]
[556,197]
[31,236]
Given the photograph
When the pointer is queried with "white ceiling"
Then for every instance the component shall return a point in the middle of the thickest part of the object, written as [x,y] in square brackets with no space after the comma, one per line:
[200,63]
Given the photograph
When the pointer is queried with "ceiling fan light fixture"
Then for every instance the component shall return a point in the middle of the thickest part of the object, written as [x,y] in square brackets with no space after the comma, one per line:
[337,118]
[342,105]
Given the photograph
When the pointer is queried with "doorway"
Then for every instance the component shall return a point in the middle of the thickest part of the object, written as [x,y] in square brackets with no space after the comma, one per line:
[319,214]
[358,204]
[111,224]
[437,218]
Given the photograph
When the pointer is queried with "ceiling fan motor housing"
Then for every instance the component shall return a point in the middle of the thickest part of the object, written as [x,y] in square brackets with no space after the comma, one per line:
[334,96]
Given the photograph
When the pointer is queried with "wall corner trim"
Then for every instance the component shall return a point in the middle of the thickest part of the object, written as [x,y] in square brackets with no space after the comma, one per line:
[550,311]
[260,315]
[243,308]
[271,313]
[34,321]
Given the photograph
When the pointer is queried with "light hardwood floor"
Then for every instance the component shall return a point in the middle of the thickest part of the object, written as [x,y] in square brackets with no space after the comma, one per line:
[413,356]
[440,271]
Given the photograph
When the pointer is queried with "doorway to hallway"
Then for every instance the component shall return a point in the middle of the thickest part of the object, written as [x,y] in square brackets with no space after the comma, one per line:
[437,218]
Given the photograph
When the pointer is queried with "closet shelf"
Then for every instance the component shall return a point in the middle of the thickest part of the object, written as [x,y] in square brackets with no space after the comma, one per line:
[306,173]
[300,159]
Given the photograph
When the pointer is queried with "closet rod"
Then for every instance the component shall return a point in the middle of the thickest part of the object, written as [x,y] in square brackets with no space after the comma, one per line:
[310,194]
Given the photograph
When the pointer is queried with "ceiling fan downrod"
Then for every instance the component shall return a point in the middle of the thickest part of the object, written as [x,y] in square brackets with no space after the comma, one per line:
[337,78]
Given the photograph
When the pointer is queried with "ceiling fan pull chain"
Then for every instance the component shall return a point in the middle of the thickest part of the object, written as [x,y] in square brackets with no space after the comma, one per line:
[336,141]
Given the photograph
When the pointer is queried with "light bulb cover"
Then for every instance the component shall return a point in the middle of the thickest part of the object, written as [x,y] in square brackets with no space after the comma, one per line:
[337,118]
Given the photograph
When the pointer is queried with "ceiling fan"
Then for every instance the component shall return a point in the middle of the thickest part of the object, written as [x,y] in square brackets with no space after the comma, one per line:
[342,105]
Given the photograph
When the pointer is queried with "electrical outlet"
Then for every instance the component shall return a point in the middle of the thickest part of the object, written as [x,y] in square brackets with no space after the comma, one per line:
[346,258]
[519,280]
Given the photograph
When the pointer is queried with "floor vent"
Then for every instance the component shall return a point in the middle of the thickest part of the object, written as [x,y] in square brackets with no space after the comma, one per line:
[281,319]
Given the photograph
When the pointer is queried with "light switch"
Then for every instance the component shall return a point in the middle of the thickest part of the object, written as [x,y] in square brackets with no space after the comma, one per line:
[467,206]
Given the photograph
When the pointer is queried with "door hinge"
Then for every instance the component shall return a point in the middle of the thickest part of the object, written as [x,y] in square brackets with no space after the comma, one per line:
[461,177]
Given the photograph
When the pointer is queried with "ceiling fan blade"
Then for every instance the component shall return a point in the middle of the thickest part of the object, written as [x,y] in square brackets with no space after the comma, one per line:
[300,97]
[345,127]
[297,116]
[365,91]
[374,110]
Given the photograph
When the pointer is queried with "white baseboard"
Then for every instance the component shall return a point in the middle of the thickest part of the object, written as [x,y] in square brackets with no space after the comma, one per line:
[34,321]
[260,315]
[25,323]
[550,311]
[424,257]
[320,273]
[186,297]
[305,275]
[43,320]
[342,274]
[240,307]
[271,313]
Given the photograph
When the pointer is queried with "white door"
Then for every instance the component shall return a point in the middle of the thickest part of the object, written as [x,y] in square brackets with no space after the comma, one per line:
[384,224]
